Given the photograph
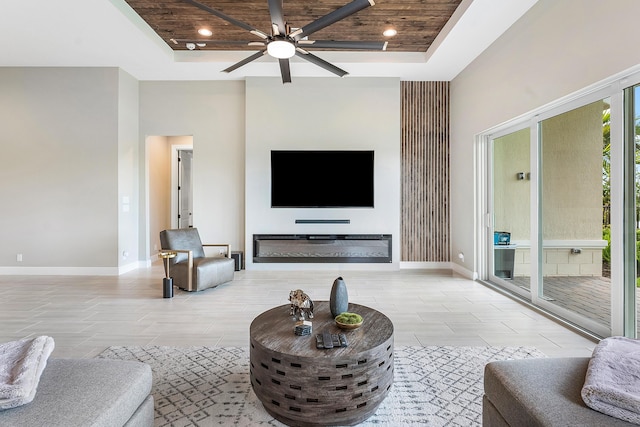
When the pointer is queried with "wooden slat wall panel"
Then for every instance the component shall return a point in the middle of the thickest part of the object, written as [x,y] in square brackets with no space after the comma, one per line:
[425,172]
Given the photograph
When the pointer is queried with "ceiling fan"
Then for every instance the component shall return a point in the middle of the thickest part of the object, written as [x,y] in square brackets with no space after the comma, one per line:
[284,42]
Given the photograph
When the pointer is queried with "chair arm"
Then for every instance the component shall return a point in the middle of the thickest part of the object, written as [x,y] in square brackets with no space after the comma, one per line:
[226,245]
[182,251]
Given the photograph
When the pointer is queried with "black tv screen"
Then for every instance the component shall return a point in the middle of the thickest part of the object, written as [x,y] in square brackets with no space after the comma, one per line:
[322,179]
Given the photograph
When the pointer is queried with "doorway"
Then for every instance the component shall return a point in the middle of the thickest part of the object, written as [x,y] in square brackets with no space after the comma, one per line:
[162,182]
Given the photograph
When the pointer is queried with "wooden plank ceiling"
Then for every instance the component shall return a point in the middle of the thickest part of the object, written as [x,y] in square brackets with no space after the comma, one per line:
[417,22]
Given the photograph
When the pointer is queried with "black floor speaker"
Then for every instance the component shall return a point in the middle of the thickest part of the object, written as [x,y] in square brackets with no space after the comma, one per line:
[167,287]
[239,260]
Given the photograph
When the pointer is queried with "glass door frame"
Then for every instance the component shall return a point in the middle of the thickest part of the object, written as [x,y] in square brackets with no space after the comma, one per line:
[628,293]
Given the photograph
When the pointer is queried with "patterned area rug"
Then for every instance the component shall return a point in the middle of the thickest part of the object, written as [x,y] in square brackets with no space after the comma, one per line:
[206,386]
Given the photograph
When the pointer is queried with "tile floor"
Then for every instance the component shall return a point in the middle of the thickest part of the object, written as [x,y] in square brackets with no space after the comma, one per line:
[85,314]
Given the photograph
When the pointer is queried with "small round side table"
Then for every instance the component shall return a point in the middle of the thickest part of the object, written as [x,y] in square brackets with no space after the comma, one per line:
[167,282]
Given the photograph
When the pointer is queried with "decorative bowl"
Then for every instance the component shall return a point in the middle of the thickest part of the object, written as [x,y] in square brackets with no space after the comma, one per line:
[348,320]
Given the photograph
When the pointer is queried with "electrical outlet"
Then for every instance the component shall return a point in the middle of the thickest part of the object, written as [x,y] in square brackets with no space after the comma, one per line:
[19,257]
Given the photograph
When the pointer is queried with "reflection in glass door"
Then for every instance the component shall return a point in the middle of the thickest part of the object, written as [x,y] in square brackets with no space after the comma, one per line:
[575,227]
[510,236]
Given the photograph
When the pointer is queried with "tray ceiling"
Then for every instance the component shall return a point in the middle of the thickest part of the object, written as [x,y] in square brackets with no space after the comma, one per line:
[111,33]
[417,22]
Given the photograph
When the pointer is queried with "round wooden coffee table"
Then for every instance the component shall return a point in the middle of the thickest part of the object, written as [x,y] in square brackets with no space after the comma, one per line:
[301,385]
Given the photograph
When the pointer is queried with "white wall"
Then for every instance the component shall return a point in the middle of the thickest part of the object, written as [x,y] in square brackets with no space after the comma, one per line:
[213,113]
[158,152]
[59,173]
[557,48]
[77,176]
[128,184]
[323,113]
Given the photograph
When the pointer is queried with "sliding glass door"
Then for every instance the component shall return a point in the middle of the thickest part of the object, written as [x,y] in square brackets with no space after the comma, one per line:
[559,223]
[575,226]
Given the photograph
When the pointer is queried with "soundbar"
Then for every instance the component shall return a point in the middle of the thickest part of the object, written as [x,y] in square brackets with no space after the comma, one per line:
[323,221]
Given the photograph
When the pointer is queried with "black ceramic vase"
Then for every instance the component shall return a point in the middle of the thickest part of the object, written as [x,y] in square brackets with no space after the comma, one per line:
[339,299]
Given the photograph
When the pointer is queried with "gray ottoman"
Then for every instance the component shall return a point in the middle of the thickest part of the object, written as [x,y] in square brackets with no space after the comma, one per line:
[88,393]
[539,392]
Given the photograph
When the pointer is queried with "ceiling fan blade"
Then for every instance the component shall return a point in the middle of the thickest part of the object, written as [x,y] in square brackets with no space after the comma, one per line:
[321,62]
[245,61]
[226,18]
[277,16]
[351,45]
[331,18]
[216,42]
[285,70]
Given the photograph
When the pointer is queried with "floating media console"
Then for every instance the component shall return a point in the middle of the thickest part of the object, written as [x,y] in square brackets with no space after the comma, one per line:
[339,248]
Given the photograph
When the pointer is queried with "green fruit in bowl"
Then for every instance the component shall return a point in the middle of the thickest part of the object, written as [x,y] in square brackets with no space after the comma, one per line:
[349,318]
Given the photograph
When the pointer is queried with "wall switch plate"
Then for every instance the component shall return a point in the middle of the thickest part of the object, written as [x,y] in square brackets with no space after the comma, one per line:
[19,257]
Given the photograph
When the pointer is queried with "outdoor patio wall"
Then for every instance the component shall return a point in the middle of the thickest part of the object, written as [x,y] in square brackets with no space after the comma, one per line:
[572,192]
[555,49]
[512,196]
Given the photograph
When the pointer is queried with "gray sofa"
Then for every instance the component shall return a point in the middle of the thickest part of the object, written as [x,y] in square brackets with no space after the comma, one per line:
[88,393]
[539,392]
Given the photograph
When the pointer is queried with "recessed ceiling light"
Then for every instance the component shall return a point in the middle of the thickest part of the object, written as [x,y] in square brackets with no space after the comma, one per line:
[205,32]
[389,32]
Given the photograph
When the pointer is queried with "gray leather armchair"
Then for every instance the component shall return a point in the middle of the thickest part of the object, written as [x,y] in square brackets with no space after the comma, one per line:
[190,268]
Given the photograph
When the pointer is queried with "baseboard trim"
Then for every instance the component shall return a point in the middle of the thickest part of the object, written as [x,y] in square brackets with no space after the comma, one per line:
[471,275]
[130,267]
[419,265]
[73,271]
[59,271]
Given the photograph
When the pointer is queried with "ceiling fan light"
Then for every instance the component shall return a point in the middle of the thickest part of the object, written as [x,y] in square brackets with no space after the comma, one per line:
[281,49]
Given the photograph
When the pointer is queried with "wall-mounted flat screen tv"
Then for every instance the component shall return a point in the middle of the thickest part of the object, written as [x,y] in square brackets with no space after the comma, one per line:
[322,179]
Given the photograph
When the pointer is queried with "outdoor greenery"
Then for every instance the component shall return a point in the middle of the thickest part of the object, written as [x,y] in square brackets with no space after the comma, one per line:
[606,235]
[606,185]
[606,159]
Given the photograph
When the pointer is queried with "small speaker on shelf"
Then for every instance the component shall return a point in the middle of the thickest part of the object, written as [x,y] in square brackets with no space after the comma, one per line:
[239,260]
